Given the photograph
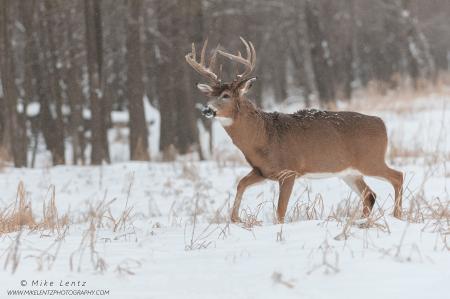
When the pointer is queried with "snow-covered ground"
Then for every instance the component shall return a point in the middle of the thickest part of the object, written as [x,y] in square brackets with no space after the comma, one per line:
[161,230]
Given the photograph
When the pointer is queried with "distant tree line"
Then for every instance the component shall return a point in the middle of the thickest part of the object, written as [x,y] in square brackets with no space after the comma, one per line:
[82,59]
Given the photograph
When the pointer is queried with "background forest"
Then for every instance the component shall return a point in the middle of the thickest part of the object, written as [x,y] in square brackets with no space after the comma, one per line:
[67,66]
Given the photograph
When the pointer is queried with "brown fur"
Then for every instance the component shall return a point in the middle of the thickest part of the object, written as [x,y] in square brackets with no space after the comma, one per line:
[282,147]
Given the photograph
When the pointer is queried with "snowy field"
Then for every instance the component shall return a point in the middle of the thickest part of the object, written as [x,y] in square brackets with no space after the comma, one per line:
[161,230]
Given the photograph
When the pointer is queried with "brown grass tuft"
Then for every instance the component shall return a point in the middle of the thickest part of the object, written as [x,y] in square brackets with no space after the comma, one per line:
[12,219]
[20,215]
[249,217]
[313,209]
[51,219]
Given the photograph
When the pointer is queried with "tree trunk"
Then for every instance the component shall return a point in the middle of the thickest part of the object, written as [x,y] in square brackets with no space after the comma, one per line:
[99,143]
[27,12]
[300,53]
[166,80]
[15,140]
[421,65]
[135,86]
[320,55]
[194,22]
[73,77]
[185,122]
[54,76]
[347,48]
[278,73]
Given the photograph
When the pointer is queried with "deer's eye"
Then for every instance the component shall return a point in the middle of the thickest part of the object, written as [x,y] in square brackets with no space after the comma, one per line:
[225,96]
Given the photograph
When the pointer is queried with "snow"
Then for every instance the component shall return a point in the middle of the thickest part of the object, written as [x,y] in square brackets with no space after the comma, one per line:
[151,113]
[33,109]
[178,242]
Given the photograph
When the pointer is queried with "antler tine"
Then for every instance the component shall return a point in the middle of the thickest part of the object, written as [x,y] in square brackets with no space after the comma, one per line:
[200,67]
[248,62]
[249,69]
[253,54]
[235,58]
[247,48]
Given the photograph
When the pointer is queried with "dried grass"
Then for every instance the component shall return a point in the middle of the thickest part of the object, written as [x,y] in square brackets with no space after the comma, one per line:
[128,267]
[198,240]
[312,209]
[434,213]
[88,243]
[13,254]
[51,219]
[14,218]
[45,259]
[249,216]
[348,214]
[20,215]
[329,261]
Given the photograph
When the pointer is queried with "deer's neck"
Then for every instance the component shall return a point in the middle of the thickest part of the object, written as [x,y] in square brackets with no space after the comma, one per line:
[248,130]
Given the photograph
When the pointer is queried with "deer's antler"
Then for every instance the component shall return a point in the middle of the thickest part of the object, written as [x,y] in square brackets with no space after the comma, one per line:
[200,67]
[248,62]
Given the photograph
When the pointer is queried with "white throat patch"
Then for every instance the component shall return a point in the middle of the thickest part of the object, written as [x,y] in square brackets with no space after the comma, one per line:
[225,121]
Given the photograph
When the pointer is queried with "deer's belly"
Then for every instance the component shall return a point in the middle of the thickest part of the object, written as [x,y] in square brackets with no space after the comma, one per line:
[326,175]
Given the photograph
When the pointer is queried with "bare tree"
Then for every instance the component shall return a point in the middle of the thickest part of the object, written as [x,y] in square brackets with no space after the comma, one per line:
[187,122]
[73,79]
[166,80]
[14,134]
[99,117]
[320,54]
[53,105]
[135,85]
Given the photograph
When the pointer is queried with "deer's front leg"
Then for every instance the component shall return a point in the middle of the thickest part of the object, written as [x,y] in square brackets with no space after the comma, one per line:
[286,185]
[252,178]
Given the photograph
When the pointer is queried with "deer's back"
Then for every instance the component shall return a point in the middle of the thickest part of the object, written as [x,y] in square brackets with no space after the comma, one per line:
[322,140]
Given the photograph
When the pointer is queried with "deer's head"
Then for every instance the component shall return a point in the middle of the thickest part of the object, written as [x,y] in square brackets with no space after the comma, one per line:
[224,98]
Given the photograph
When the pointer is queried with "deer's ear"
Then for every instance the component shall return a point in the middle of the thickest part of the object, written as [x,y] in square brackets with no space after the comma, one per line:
[205,88]
[246,85]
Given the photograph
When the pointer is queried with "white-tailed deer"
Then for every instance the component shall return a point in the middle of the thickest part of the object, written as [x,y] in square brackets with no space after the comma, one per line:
[307,143]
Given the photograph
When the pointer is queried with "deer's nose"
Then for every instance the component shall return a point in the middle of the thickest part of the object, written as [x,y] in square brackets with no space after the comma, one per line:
[208,112]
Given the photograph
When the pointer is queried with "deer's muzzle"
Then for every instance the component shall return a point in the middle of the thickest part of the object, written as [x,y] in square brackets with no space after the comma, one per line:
[208,112]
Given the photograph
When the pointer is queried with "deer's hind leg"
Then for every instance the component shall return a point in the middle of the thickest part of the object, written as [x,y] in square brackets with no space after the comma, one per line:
[252,178]
[357,184]
[394,177]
